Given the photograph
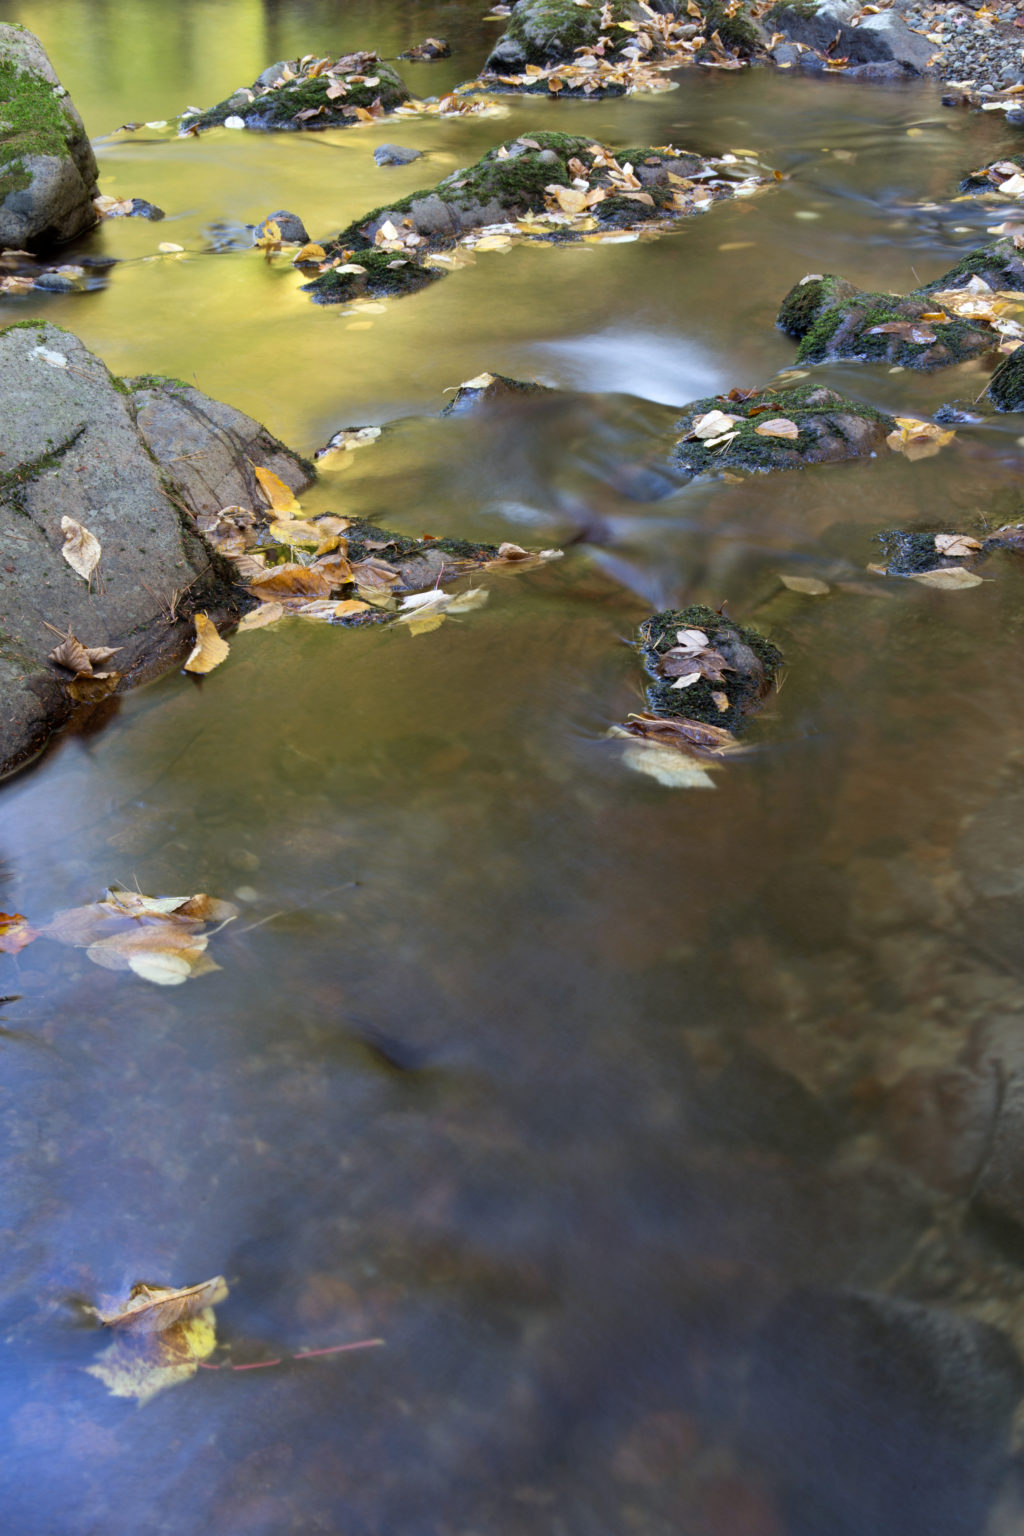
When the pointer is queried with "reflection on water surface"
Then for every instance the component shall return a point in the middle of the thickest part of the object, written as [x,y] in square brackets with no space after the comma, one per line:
[667,1140]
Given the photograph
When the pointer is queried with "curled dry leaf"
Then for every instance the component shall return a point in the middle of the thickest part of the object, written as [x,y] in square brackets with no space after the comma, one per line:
[15,932]
[209,650]
[956,546]
[81,549]
[280,497]
[160,1337]
[290,580]
[779,426]
[154,1308]
[81,659]
[948,579]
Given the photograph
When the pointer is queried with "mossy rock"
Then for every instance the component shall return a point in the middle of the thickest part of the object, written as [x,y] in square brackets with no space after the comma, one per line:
[753,666]
[372,274]
[304,103]
[48,171]
[738,33]
[987,179]
[831,428]
[1006,387]
[907,552]
[490,387]
[1000,264]
[549,32]
[832,319]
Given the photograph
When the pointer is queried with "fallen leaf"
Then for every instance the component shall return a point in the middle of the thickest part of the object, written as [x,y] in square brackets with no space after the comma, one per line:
[280,496]
[94,687]
[161,1335]
[351,605]
[169,248]
[711,424]
[671,768]
[948,578]
[310,252]
[209,650]
[297,531]
[569,199]
[290,580]
[81,548]
[779,426]
[15,932]
[259,618]
[956,546]
[918,439]
[810,586]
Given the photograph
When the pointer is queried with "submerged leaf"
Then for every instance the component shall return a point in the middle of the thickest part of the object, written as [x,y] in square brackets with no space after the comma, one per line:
[810,586]
[161,1335]
[948,578]
[15,932]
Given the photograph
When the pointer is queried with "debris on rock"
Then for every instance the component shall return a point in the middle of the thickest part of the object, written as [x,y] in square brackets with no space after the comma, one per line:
[771,429]
[832,319]
[309,93]
[489,386]
[431,48]
[926,554]
[281,228]
[1006,386]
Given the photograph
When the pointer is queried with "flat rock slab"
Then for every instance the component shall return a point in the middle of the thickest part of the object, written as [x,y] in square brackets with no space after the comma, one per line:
[129,461]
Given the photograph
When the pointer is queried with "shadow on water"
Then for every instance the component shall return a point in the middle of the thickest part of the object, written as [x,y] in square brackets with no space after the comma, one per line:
[670,1141]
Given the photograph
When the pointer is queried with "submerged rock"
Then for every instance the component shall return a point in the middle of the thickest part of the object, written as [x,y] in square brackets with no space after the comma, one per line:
[828,27]
[778,429]
[832,319]
[489,386]
[310,93]
[128,462]
[396,154]
[535,176]
[48,171]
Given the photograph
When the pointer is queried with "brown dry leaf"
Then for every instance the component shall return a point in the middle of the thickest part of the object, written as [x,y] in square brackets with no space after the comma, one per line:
[296,532]
[810,586]
[209,650]
[311,252]
[375,577]
[690,734]
[94,687]
[948,579]
[259,618]
[349,606]
[72,655]
[81,549]
[956,546]
[331,524]
[779,426]
[289,580]
[918,439]
[154,1308]
[337,569]
[569,199]
[15,932]
[280,496]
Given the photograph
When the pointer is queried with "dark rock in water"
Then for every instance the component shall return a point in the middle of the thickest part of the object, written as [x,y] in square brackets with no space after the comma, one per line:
[370,274]
[829,428]
[954,415]
[882,1416]
[48,171]
[1006,387]
[128,461]
[1000,265]
[290,228]
[879,72]
[57,282]
[140,209]
[991,177]
[733,674]
[430,48]
[489,386]
[303,102]
[832,319]
[828,27]
[911,552]
[396,154]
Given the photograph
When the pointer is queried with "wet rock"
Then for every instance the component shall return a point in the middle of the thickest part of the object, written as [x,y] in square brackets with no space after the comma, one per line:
[881,1415]
[911,552]
[827,27]
[829,426]
[545,32]
[832,319]
[47,168]
[999,264]
[938,1121]
[126,461]
[489,386]
[396,154]
[431,48]
[370,274]
[290,228]
[733,676]
[292,96]
[1006,387]
[991,176]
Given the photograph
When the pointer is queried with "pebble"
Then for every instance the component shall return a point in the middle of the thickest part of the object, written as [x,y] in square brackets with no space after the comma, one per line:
[982,49]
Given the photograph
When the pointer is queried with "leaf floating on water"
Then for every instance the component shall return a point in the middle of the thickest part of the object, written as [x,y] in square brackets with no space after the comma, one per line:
[209,650]
[81,549]
[161,1336]
[15,932]
[779,426]
[160,938]
[153,1308]
[948,578]
[290,580]
[956,546]
[810,586]
[918,439]
[259,618]
[280,496]
[673,769]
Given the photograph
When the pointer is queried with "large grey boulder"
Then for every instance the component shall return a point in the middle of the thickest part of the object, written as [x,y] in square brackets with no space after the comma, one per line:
[828,26]
[47,168]
[129,461]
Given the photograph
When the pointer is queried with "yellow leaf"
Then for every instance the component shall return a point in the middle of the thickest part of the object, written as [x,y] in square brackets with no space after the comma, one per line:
[81,548]
[297,532]
[350,605]
[493,243]
[209,650]
[310,252]
[779,426]
[259,618]
[169,248]
[279,495]
[290,580]
[569,199]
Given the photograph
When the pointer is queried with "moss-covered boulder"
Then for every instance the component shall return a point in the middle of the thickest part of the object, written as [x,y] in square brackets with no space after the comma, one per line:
[832,319]
[1006,387]
[600,38]
[705,667]
[1000,264]
[585,184]
[310,93]
[47,167]
[370,273]
[991,177]
[777,429]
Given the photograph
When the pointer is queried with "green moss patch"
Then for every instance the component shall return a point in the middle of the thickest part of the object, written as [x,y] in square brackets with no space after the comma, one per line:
[753,666]
[380,275]
[305,103]
[833,319]
[33,121]
[830,428]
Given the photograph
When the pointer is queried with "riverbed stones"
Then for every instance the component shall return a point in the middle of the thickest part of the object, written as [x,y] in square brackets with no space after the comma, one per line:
[48,171]
[832,319]
[821,427]
[829,28]
[127,461]
[309,93]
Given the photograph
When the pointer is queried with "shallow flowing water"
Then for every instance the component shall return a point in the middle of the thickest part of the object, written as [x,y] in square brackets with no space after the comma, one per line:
[559,1082]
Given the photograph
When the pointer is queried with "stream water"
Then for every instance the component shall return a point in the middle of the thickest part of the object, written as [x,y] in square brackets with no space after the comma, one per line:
[596,1101]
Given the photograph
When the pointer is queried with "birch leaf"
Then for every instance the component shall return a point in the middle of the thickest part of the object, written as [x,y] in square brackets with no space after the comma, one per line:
[209,650]
[280,496]
[81,548]
[956,546]
[154,1308]
[779,426]
[948,579]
